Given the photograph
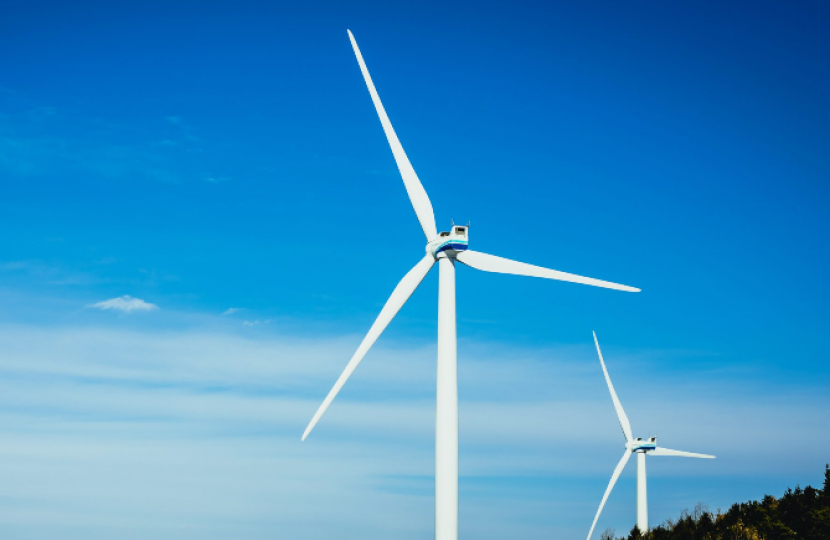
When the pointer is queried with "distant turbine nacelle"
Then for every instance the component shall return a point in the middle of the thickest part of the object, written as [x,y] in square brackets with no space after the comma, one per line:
[449,244]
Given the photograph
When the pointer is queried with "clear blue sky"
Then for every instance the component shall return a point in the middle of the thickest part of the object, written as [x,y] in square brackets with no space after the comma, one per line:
[207,157]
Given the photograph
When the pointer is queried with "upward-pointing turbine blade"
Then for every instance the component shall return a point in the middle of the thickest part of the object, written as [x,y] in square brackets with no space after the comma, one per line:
[660,451]
[624,423]
[416,192]
[399,297]
[491,263]
[617,471]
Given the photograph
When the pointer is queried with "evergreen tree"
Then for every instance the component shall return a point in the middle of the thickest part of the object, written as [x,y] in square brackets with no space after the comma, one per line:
[635,534]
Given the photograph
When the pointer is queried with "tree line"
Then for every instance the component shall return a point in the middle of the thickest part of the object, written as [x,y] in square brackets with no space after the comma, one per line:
[801,513]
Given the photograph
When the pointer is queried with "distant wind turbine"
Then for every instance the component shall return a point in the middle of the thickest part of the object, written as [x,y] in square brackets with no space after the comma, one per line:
[634,446]
[446,248]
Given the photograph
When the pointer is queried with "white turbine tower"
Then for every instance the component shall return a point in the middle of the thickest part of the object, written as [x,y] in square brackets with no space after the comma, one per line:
[445,248]
[634,446]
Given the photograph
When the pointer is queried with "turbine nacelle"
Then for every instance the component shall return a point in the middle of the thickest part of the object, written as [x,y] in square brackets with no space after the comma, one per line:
[449,244]
[642,445]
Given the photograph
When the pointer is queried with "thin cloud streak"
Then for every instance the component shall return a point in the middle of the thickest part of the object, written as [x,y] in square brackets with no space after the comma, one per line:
[125,304]
[163,429]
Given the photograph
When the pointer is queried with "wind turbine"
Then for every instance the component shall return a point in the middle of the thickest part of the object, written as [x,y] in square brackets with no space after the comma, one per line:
[445,248]
[634,446]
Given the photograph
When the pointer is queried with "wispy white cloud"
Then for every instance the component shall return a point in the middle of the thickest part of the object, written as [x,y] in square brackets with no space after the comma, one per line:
[158,411]
[125,303]
[256,322]
[230,311]
[38,141]
[50,273]
[16,265]
[217,179]
[200,429]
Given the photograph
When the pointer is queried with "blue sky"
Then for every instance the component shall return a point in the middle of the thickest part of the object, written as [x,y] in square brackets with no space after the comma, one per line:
[224,165]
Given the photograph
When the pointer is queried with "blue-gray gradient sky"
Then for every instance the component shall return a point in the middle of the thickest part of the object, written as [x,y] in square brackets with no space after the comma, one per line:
[200,217]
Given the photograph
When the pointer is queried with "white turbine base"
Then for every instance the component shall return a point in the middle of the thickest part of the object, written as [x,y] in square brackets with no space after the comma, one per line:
[446,408]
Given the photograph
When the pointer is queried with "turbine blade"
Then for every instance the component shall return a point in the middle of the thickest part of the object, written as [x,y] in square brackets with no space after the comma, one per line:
[617,471]
[491,263]
[660,451]
[417,194]
[398,298]
[624,423]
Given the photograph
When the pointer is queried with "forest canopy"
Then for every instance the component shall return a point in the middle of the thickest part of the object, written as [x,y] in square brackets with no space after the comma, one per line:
[801,513]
